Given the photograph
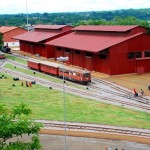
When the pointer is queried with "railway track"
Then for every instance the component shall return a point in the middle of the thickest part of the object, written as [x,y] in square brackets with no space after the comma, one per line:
[120,92]
[2,62]
[79,92]
[96,128]
[17,64]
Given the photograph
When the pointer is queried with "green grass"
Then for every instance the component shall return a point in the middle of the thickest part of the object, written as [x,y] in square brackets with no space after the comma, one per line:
[10,56]
[48,104]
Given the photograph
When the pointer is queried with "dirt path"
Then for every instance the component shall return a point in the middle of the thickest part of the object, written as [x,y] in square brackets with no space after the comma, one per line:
[54,142]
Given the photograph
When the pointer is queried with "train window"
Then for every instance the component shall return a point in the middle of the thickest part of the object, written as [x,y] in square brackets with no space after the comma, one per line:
[67,50]
[58,48]
[77,52]
[86,75]
[147,53]
[134,55]
[88,54]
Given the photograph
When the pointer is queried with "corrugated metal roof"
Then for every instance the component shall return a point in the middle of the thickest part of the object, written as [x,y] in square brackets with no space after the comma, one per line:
[73,69]
[104,28]
[34,60]
[53,64]
[89,42]
[4,29]
[49,26]
[36,36]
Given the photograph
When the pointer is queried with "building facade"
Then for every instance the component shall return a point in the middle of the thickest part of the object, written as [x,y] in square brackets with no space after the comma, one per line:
[111,50]
[8,32]
[33,42]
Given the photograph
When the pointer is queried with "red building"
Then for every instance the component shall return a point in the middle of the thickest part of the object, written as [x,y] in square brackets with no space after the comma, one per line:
[107,49]
[9,32]
[34,41]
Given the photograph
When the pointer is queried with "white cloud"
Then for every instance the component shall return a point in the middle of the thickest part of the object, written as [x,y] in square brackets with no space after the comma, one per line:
[19,6]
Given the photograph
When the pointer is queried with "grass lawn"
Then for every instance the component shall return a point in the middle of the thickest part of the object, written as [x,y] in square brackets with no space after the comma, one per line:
[48,104]
[10,56]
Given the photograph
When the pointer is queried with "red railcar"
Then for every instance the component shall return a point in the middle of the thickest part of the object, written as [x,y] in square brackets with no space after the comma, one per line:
[2,55]
[59,70]
[34,64]
[49,67]
[74,74]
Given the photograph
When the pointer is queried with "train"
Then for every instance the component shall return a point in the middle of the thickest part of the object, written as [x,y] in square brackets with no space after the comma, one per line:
[6,49]
[61,71]
[2,55]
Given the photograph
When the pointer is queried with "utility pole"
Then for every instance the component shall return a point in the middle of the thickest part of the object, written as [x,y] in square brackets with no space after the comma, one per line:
[27,15]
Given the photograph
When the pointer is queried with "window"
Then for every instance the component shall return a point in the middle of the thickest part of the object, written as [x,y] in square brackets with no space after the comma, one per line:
[67,50]
[104,54]
[134,55]
[147,53]
[88,54]
[58,48]
[77,52]
[86,75]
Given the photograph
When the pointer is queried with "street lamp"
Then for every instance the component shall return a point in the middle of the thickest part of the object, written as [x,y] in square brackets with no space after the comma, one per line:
[64,59]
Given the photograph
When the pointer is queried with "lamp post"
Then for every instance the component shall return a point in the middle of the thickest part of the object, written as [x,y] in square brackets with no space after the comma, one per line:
[64,59]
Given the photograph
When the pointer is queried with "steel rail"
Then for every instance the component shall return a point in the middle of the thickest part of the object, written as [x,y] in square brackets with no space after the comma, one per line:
[99,128]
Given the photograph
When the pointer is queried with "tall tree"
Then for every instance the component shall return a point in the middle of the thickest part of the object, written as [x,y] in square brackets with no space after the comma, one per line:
[16,123]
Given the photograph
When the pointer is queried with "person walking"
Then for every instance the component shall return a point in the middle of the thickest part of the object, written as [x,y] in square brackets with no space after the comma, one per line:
[142,92]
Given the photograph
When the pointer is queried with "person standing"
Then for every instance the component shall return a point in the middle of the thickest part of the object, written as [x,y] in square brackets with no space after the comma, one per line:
[135,93]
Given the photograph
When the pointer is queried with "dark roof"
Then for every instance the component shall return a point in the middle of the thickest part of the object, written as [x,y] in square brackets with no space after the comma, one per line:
[50,27]
[36,36]
[104,28]
[89,42]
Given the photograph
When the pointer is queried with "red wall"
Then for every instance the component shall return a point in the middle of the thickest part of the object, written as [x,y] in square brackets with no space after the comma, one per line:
[50,51]
[89,62]
[77,59]
[119,63]
[143,65]
[66,28]
[138,30]
[102,65]
[7,37]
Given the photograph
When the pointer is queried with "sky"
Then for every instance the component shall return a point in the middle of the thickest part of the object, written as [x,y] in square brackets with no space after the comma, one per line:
[49,6]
